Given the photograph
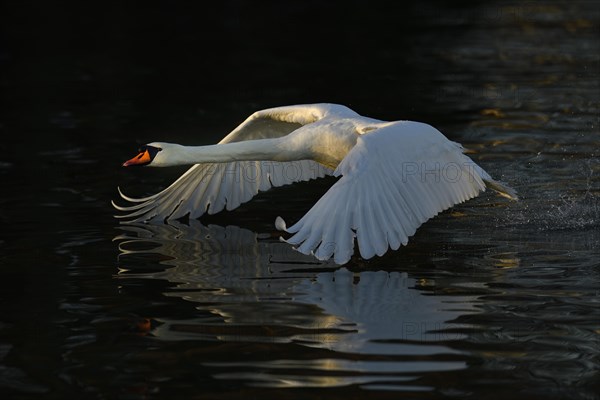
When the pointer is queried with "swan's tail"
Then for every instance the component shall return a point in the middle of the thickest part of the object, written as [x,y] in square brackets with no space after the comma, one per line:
[500,188]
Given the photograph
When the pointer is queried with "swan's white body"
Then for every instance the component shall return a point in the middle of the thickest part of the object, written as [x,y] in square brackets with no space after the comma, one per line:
[395,176]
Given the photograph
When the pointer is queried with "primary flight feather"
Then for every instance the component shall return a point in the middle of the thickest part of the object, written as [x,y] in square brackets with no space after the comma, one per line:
[394,176]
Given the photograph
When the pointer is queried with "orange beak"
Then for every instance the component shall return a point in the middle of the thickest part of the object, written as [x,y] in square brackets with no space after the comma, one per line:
[141,159]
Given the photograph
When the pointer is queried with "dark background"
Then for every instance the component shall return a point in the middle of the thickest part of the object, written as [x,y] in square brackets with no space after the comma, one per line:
[83,83]
[107,70]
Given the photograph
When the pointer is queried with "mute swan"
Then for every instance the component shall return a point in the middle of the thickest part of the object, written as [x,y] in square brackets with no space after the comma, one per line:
[395,176]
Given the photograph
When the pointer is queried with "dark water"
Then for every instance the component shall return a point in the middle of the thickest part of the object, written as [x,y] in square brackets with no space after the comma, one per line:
[489,300]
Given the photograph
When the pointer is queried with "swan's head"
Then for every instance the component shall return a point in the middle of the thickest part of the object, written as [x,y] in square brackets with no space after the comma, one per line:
[155,154]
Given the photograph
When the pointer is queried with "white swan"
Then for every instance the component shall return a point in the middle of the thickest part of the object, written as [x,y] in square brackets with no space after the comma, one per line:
[395,176]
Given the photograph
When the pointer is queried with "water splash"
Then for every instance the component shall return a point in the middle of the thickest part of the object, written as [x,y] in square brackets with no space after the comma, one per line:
[578,211]
[544,208]
[575,212]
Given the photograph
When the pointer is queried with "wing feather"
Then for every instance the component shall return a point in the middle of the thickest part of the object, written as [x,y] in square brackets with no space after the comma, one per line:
[393,180]
[212,187]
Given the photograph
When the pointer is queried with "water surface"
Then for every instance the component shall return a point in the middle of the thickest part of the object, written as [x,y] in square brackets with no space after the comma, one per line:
[490,299]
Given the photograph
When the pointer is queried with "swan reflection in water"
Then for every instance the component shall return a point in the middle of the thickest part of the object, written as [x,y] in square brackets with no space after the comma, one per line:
[250,287]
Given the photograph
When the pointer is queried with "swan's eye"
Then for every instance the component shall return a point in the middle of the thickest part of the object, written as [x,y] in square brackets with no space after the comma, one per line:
[152,150]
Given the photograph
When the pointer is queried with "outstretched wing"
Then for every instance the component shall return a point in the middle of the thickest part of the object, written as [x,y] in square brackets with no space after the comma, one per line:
[210,187]
[393,180]
[279,121]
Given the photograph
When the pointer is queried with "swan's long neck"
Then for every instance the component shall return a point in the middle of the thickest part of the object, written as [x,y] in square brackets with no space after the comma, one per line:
[278,149]
[327,144]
